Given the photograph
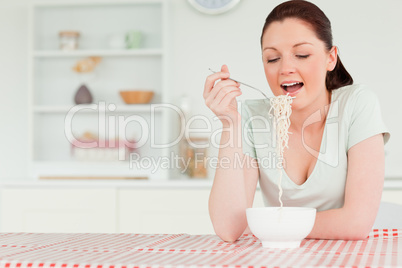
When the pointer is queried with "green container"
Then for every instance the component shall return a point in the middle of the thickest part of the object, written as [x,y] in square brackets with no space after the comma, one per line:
[133,39]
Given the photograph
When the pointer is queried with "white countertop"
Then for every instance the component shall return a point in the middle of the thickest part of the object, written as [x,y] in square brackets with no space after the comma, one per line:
[389,184]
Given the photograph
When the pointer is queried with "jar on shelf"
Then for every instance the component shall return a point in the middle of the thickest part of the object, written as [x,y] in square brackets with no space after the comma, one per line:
[133,39]
[69,40]
[194,154]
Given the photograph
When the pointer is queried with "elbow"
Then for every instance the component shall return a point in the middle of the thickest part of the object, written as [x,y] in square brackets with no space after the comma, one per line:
[228,233]
[357,236]
[360,231]
[345,234]
[228,237]
[357,224]
[363,232]
[228,227]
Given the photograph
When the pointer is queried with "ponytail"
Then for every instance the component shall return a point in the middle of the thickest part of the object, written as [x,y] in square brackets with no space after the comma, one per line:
[338,77]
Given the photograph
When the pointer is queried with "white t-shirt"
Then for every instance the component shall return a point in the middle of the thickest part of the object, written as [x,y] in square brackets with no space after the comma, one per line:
[354,115]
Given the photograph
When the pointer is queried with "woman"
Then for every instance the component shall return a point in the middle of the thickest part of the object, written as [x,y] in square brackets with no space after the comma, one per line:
[335,156]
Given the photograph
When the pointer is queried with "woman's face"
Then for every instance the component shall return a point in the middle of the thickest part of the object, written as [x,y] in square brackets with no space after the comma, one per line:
[296,62]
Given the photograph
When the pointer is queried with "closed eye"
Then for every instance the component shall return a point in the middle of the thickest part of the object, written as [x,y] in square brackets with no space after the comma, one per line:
[273,60]
[303,56]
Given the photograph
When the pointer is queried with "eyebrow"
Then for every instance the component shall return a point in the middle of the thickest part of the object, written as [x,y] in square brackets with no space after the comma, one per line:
[296,45]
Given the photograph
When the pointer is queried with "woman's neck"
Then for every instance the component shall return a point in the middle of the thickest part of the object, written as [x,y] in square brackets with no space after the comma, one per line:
[313,115]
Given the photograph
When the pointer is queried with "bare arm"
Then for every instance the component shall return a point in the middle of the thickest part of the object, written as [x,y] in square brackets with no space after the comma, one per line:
[363,191]
[232,192]
[234,185]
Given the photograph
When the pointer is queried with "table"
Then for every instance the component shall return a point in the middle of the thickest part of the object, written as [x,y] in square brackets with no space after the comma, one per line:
[383,248]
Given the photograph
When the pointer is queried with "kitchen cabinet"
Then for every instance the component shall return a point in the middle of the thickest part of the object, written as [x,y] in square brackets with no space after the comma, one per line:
[392,196]
[54,117]
[58,210]
[164,211]
[174,207]
[125,208]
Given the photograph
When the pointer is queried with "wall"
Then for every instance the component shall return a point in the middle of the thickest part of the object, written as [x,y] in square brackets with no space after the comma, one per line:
[13,88]
[367,33]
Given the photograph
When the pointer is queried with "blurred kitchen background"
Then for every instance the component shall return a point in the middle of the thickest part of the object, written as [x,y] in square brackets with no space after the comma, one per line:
[58,55]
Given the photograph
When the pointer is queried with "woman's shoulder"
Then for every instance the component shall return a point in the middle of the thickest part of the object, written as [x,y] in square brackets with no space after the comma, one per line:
[361,111]
[352,92]
[349,98]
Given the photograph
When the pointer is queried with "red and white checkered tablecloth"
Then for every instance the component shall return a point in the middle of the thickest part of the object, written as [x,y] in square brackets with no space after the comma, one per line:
[383,248]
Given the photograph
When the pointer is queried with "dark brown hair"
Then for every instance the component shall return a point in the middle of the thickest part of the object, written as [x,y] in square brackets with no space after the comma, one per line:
[314,16]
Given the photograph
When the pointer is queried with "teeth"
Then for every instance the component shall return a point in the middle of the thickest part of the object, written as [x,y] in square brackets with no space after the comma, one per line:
[291,84]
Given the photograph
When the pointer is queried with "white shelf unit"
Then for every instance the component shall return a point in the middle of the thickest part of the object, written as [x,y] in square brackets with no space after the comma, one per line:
[53,84]
[98,52]
[85,108]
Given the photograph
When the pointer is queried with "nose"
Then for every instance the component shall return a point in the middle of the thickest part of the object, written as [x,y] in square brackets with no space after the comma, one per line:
[287,66]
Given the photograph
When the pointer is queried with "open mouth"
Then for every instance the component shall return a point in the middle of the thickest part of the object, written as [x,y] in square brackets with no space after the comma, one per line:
[292,87]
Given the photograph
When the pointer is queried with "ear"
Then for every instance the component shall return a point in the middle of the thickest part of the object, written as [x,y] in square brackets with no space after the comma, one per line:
[332,58]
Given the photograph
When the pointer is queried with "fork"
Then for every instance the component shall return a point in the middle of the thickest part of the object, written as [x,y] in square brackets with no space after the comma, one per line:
[248,86]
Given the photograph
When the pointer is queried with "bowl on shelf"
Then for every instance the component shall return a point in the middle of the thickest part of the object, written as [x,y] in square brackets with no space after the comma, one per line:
[136,96]
[282,227]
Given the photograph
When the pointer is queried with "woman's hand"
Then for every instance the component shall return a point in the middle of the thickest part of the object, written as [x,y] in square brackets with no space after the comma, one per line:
[220,97]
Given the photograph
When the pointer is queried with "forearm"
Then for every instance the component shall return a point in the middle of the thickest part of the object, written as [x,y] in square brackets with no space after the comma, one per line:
[340,223]
[228,198]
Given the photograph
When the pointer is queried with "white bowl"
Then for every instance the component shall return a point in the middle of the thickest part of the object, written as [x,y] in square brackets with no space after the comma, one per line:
[282,227]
